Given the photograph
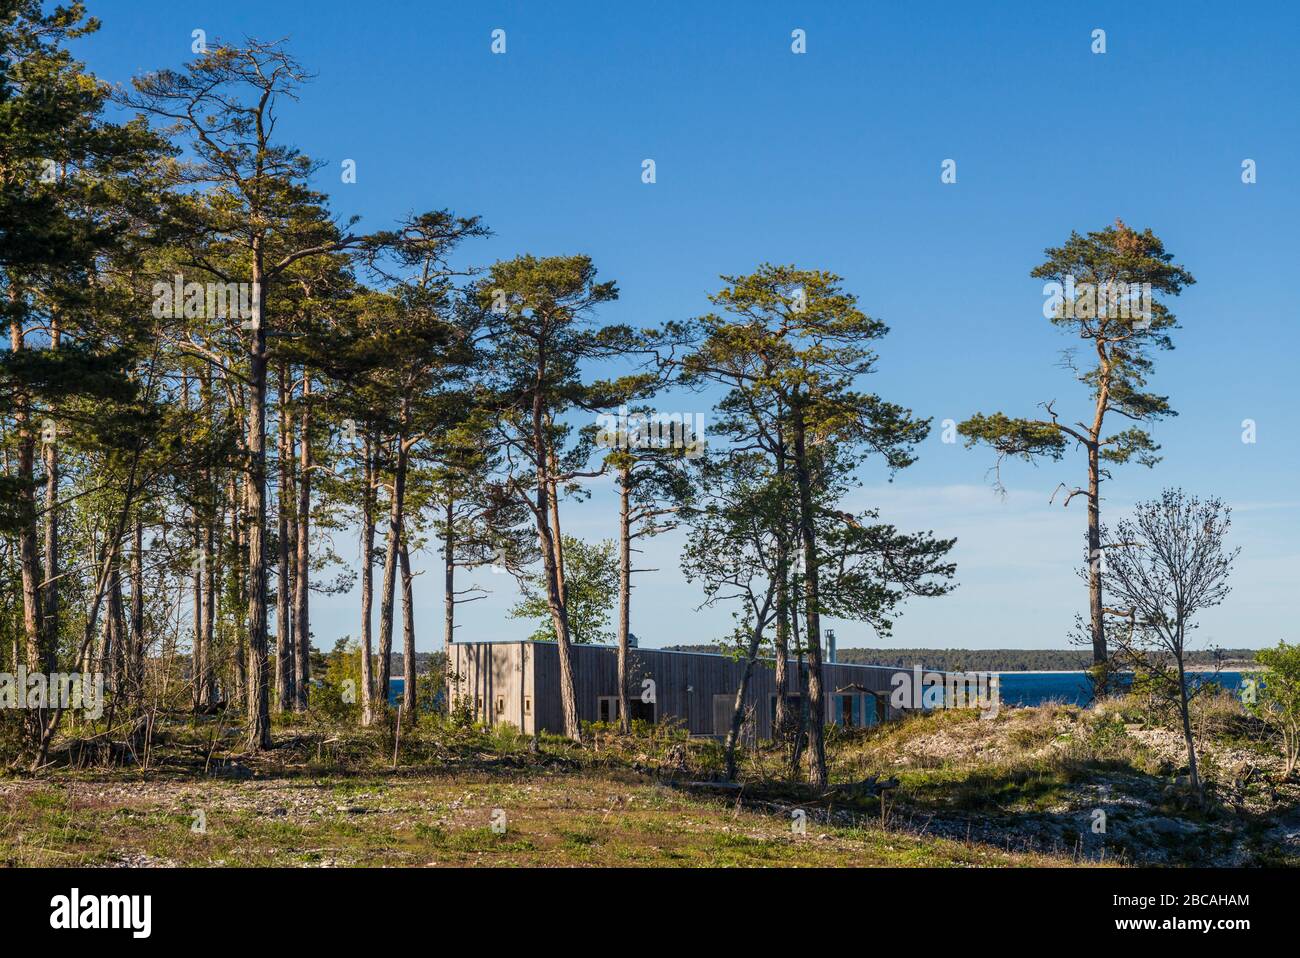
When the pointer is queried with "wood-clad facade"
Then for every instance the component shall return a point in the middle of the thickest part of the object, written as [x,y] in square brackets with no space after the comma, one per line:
[519,683]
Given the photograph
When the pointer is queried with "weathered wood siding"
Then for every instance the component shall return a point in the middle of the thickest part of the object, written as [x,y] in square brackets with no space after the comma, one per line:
[496,679]
[524,677]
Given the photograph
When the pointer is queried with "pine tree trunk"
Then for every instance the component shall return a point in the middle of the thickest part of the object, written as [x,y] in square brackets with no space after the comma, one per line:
[51,591]
[234,490]
[367,582]
[781,719]
[448,594]
[115,658]
[50,595]
[108,647]
[408,636]
[801,726]
[137,647]
[557,541]
[560,622]
[738,709]
[449,580]
[781,644]
[808,537]
[207,662]
[258,693]
[27,557]
[1096,615]
[553,563]
[302,583]
[207,577]
[284,646]
[624,592]
[196,589]
[388,595]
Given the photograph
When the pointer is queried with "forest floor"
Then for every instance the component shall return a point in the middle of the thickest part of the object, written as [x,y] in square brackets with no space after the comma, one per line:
[1022,790]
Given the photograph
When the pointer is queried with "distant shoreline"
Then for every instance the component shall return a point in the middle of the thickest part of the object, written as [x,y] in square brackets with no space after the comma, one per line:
[1009,661]
[1231,667]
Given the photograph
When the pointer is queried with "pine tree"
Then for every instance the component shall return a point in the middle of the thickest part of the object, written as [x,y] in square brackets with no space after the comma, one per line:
[1102,289]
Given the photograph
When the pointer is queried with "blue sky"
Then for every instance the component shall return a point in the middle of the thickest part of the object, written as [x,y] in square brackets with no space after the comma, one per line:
[831,159]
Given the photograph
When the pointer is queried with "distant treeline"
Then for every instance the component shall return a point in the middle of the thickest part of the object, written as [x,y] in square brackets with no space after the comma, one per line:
[425,663]
[997,660]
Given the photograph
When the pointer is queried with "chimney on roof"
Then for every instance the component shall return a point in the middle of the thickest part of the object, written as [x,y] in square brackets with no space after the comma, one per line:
[830,645]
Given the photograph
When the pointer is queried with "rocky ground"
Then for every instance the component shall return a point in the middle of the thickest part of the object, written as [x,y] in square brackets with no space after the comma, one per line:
[1095,785]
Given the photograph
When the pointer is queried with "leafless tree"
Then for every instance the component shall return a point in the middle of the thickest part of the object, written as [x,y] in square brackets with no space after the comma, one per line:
[1165,565]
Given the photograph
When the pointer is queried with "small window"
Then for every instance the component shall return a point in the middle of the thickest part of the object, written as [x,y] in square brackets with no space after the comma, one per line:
[792,704]
[639,711]
[501,705]
[607,709]
[528,705]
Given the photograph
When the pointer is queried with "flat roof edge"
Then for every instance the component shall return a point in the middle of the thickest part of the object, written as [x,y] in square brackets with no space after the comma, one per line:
[714,655]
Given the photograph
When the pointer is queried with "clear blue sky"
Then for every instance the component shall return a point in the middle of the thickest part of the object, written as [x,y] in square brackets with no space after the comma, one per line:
[831,159]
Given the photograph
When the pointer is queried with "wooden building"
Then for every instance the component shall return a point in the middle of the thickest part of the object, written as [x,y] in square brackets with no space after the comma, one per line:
[519,683]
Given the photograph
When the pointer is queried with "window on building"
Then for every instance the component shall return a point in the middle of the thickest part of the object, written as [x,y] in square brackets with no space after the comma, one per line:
[873,709]
[528,705]
[607,709]
[791,706]
[640,711]
[724,707]
[501,705]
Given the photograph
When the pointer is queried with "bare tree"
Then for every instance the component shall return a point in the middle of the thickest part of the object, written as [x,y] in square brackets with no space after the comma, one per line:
[1166,564]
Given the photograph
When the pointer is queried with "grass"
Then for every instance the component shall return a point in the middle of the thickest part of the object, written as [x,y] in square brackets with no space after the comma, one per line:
[1015,791]
[563,819]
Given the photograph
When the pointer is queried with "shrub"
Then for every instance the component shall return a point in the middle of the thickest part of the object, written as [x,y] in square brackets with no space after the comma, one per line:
[338,695]
[1278,702]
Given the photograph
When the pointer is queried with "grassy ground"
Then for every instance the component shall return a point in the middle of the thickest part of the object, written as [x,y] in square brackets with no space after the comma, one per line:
[1023,790]
[561,819]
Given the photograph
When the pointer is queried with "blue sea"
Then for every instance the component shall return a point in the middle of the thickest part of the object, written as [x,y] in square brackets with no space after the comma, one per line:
[1018,688]
[1072,688]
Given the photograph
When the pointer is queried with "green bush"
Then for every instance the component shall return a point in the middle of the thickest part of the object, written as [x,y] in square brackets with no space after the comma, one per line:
[1278,702]
[339,694]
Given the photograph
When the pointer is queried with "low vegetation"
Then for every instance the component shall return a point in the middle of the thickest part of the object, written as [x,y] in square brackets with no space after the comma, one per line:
[1023,789]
